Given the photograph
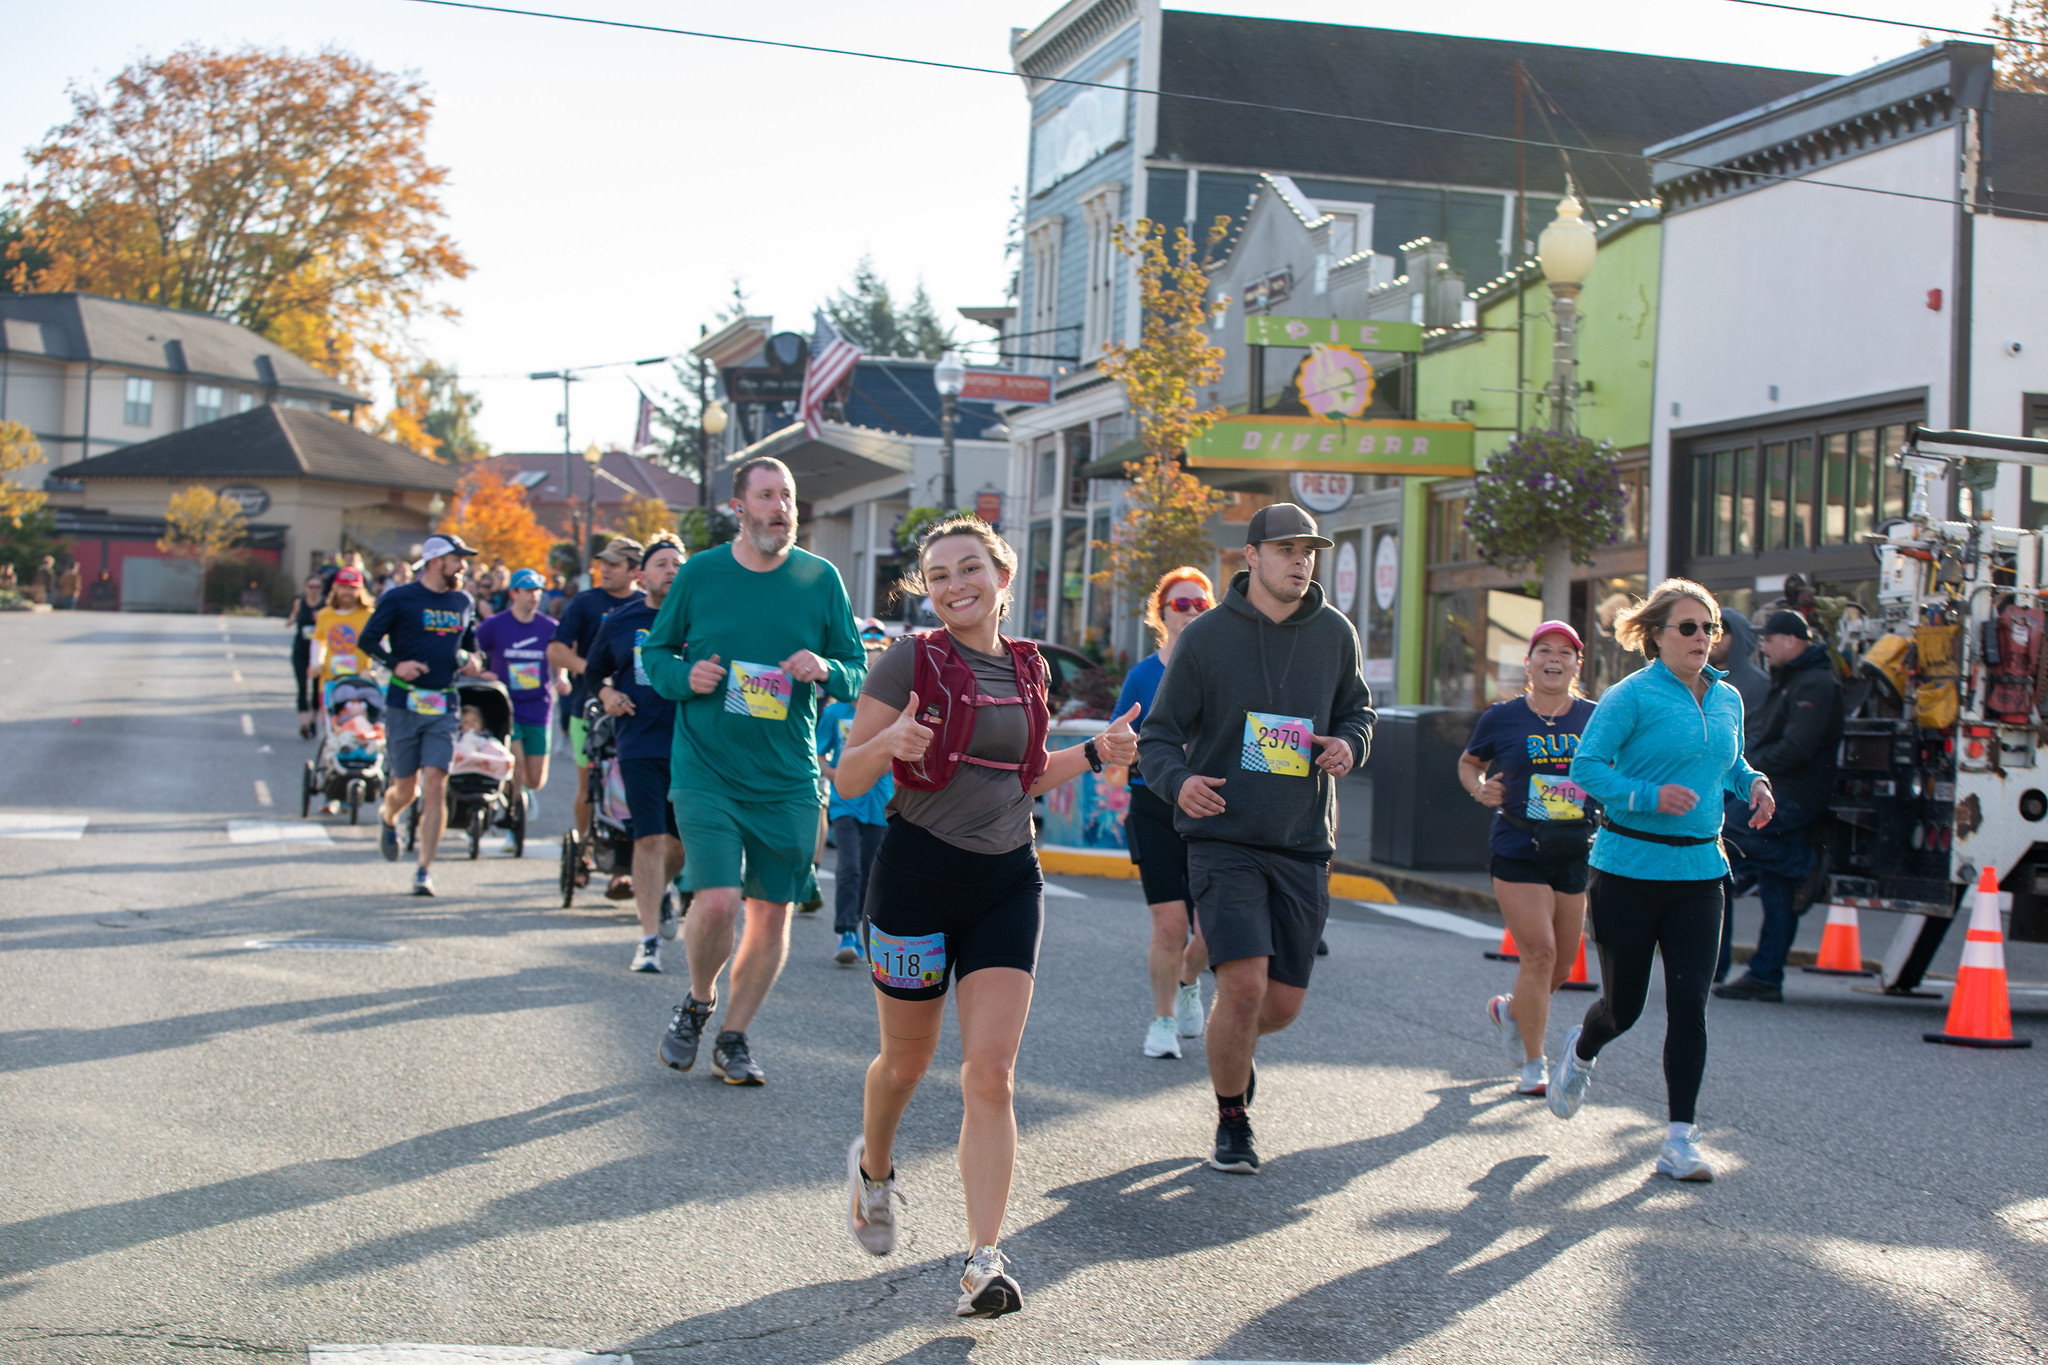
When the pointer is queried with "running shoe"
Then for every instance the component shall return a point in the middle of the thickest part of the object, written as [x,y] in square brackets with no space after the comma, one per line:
[731,1059]
[423,883]
[1187,1010]
[685,1030]
[1510,1032]
[1681,1159]
[647,957]
[668,914]
[1535,1078]
[387,842]
[1568,1088]
[620,889]
[1160,1040]
[870,1216]
[1747,987]
[848,951]
[1233,1152]
[986,1289]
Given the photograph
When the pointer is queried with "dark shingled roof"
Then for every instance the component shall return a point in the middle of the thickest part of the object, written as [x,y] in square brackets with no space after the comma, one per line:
[149,336]
[272,442]
[1624,101]
[2016,151]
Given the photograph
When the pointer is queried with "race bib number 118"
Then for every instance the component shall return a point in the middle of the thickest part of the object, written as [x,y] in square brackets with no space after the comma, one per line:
[1276,744]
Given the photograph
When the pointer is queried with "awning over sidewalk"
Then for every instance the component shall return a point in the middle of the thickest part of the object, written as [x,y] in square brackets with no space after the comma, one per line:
[847,458]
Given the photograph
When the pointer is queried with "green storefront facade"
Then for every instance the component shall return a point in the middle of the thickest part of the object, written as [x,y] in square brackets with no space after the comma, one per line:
[1463,623]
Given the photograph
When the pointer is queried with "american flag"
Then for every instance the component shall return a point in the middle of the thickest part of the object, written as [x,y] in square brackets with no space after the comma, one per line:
[832,359]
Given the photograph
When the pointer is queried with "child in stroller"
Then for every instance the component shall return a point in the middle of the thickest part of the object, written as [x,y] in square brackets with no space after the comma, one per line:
[350,765]
[608,845]
[481,792]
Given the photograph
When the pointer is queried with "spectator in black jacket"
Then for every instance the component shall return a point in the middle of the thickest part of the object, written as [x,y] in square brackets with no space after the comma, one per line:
[1792,740]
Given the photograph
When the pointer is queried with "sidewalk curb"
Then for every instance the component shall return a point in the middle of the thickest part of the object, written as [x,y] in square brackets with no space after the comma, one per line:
[1088,862]
[1416,887]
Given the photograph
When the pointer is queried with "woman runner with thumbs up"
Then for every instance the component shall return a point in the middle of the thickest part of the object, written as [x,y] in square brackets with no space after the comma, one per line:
[960,717]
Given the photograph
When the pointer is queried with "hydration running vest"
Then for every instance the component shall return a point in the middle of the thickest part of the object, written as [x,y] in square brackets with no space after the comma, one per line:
[949,697]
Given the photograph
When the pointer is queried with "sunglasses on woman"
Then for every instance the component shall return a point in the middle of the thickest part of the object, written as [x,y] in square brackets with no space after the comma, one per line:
[1712,628]
[1188,604]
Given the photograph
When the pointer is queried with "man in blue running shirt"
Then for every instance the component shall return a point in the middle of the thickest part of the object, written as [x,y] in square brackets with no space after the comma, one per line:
[425,633]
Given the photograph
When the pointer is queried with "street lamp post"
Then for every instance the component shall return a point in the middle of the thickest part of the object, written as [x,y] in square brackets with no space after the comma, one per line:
[592,457]
[1565,251]
[950,376]
[711,424]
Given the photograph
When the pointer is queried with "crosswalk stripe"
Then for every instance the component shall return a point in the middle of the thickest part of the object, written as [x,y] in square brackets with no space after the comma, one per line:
[1435,919]
[407,1353]
[262,792]
[277,832]
[25,825]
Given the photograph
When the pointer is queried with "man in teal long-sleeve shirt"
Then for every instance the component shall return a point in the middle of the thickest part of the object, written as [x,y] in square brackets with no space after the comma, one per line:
[750,635]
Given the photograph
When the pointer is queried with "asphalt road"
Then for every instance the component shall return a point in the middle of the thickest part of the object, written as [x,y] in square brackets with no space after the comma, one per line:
[209,1151]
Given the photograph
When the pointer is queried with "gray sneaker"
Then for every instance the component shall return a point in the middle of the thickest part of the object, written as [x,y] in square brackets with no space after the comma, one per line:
[1681,1159]
[1568,1086]
[685,1030]
[986,1289]
[870,1216]
[731,1059]
[1510,1031]
[1188,1016]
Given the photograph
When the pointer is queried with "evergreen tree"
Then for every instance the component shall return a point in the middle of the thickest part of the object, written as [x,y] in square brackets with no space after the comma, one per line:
[866,314]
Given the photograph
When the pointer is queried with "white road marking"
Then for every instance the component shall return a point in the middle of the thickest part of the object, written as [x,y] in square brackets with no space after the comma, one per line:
[231,654]
[22,825]
[236,675]
[1060,892]
[262,792]
[405,1353]
[1436,919]
[277,832]
[248,725]
[1107,1361]
[324,945]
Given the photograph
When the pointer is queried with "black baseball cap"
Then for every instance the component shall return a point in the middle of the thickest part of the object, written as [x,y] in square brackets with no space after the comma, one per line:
[1284,521]
[1787,623]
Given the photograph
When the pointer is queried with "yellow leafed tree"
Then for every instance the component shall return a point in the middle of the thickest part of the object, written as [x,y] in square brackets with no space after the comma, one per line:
[1165,523]
[2022,29]
[202,525]
[18,450]
[491,514]
[644,518]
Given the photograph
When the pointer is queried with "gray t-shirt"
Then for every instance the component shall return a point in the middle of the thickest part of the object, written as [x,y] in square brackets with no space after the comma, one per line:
[983,810]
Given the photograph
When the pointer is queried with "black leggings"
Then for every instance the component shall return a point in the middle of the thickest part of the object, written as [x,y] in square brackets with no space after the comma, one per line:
[309,686]
[1632,920]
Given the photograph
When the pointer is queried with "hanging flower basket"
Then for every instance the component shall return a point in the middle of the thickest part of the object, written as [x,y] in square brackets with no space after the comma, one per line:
[1544,488]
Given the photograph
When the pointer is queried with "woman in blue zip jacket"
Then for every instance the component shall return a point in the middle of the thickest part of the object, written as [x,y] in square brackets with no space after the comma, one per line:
[1660,748]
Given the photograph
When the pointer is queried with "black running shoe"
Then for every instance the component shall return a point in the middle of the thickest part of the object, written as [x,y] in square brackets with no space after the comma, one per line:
[731,1059]
[1234,1145]
[685,1029]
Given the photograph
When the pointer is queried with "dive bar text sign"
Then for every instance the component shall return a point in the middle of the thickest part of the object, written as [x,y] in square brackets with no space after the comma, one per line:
[1374,335]
[1005,386]
[1290,443]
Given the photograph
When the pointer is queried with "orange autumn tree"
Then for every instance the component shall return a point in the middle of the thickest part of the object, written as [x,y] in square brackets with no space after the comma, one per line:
[1166,519]
[291,194]
[491,514]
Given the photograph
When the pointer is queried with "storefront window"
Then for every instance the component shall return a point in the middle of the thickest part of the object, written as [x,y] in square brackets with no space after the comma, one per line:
[1606,662]
[1040,570]
[1101,596]
[2034,482]
[1073,579]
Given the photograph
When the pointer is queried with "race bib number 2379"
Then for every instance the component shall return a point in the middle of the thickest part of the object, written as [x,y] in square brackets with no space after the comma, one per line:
[1276,744]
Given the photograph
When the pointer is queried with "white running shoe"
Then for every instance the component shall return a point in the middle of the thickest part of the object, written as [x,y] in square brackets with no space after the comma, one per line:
[1681,1159]
[870,1214]
[1160,1040]
[1510,1031]
[986,1289]
[1568,1088]
[1535,1078]
[647,957]
[1188,1016]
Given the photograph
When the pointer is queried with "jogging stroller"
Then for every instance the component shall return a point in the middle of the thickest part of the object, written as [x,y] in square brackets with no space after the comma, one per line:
[350,765]
[608,846]
[483,778]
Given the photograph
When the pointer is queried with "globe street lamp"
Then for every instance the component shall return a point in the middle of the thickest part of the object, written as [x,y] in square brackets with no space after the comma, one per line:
[949,377]
[1565,251]
[711,424]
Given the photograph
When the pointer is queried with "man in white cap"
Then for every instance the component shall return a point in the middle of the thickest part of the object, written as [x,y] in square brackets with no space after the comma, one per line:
[1263,708]
[425,633]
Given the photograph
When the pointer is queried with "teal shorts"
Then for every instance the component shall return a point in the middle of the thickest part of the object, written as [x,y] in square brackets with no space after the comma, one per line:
[532,739]
[766,848]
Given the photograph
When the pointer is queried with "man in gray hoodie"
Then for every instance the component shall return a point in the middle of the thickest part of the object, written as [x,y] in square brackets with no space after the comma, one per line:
[1263,708]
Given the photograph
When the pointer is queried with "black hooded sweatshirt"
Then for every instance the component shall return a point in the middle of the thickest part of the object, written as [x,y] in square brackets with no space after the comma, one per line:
[1236,674]
[1793,739]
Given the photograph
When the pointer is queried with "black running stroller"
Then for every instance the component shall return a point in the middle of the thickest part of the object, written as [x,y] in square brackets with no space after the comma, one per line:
[478,801]
[350,766]
[608,846]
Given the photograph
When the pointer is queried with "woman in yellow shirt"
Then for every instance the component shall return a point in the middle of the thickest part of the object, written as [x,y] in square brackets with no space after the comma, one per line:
[337,651]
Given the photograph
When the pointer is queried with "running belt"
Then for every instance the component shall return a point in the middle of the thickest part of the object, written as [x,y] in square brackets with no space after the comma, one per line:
[1675,840]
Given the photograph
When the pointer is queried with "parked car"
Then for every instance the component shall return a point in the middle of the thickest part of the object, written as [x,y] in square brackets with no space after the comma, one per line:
[1079,689]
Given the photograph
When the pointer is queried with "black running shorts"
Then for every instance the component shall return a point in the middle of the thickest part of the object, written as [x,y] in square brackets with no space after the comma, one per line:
[1253,902]
[1567,879]
[1156,847]
[935,912]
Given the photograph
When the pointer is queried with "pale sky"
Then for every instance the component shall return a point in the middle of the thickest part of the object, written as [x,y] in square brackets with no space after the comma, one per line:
[607,186]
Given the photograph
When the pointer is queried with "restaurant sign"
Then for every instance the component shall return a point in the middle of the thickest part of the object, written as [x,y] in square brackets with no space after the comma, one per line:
[1291,443]
[1363,335]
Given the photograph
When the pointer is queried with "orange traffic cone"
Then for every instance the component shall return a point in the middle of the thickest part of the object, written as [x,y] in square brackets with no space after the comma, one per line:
[1578,980]
[1507,952]
[1841,945]
[1980,1013]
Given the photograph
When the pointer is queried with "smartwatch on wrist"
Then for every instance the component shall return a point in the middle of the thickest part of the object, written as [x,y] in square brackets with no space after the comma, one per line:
[1094,756]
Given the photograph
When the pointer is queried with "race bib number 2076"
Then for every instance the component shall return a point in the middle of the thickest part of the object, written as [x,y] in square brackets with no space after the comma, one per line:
[758,690]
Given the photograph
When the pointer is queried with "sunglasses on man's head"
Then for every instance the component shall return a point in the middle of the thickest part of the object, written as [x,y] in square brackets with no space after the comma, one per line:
[1712,628]
[1187,604]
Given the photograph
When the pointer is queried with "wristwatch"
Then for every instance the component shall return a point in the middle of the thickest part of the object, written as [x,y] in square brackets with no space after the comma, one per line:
[1094,756]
